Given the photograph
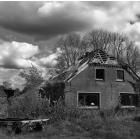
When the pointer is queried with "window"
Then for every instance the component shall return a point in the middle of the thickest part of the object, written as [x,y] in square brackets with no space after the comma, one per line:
[100,74]
[120,75]
[128,99]
[88,100]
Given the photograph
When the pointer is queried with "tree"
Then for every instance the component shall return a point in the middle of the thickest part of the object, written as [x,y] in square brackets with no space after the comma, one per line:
[104,40]
[7,84]
[7,87]
[71,50]
[115,44]
[32,76]
[97,39]
[118,45]
[132,55]
[52,90]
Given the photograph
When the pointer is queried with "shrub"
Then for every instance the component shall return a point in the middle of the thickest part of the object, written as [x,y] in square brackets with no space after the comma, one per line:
[60,112]
[28,105]
[3,107]
[52,90]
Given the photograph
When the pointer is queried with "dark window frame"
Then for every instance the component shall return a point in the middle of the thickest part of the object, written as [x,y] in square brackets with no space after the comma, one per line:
[132,99]
[87,95]
[100,79]
[119,79]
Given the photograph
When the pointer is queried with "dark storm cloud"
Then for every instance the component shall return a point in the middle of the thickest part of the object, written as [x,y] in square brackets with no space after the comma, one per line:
[45,28]
[24,17]
[44,20]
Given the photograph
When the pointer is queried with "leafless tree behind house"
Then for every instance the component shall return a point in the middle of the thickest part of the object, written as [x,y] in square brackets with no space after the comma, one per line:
[118,45]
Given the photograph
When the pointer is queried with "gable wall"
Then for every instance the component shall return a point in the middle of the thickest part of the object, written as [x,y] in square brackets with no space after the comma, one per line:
[109,89]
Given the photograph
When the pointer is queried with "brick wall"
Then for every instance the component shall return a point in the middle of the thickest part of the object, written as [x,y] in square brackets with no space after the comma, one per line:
[109,89]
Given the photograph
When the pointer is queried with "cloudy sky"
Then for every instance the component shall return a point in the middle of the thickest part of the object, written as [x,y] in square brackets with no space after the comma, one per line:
[29,30]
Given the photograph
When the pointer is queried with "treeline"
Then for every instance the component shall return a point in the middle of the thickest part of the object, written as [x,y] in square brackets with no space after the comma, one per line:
[74,45]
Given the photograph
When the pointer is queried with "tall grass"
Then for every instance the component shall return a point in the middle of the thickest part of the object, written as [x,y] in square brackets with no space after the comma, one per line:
[68,122]
[31,106]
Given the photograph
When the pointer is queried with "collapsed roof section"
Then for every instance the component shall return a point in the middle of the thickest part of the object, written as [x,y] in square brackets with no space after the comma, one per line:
[97,57]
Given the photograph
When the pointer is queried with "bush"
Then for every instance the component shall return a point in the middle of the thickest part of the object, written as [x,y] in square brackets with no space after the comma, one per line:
[3,107]
[28,105]
[52,90]
[65,121]
[60,112]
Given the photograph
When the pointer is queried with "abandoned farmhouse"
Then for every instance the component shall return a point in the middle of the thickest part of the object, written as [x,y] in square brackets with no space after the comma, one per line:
[100,81]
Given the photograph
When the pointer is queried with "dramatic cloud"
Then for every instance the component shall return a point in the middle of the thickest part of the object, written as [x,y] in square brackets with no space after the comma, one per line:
[119,17]
[43,20]
[50,19]
[11,75]
[116,17]
[17,82]
[48,61]
[29,30]
[16,54]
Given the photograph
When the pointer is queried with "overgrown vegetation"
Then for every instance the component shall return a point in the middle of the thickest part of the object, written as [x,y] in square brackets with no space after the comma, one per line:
[68,122]
[75,123]
[32,76]
[41,99]
[52,90]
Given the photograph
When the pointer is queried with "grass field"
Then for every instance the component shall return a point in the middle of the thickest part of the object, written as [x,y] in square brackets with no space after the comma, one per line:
[92,124]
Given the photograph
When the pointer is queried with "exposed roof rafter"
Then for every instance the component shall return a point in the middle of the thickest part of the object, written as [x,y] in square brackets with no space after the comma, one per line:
[96,57]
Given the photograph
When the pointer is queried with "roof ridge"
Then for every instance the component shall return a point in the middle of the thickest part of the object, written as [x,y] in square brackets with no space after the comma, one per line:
[97,56]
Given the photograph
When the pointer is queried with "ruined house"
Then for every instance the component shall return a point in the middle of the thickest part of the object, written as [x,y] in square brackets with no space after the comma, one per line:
[100,81]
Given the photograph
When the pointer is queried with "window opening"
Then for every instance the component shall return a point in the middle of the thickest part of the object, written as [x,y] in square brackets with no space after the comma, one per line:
[120,75]
[88,99]
[128,99]
[100,74]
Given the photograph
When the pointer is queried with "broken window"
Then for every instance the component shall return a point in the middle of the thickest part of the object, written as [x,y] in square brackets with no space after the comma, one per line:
[120,75]
[128,99]
[88,99]
[100,74]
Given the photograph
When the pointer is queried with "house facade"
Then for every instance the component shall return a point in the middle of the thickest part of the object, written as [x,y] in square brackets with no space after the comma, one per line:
[99,81]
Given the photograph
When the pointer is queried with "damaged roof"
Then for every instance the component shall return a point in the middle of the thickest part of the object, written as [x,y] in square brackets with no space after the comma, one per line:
[97,57]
